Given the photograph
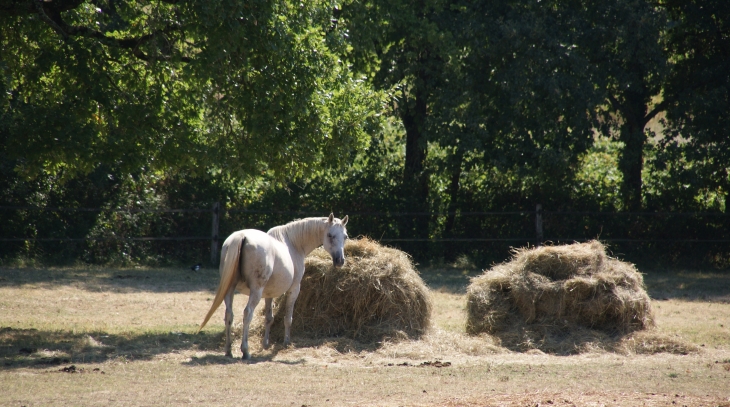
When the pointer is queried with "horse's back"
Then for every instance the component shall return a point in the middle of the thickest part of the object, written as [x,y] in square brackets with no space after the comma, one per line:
[265,262]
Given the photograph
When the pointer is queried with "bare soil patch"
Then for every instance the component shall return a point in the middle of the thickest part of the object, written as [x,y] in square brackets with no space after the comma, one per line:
[568,399]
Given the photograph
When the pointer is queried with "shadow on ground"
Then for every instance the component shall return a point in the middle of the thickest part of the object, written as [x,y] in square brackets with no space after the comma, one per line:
[37,348]
[660,284]
[688,285]
[96,279]
[32,348]
[220,359]
[448,279]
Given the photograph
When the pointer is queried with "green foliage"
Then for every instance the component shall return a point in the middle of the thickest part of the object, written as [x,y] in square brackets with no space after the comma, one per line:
[599,179]
[414,116]
[369,186]
[696,150]
[207,86]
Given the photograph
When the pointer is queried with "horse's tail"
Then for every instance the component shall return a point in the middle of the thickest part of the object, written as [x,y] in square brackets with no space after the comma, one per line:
[230,260]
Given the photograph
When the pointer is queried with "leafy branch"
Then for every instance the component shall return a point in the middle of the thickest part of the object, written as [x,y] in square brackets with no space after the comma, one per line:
[50,13]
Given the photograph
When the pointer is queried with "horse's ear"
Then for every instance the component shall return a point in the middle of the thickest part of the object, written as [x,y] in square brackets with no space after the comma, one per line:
[331,218]
[344,220]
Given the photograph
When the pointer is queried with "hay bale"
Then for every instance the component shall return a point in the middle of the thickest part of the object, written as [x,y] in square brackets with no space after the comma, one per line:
[559,299]
[377,294]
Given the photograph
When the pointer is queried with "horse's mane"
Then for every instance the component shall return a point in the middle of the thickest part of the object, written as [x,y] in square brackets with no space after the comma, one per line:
[297,229]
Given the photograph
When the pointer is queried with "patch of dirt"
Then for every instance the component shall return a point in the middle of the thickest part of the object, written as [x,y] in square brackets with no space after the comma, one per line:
[589,399]
[436,363]
[74,369]
[71,369]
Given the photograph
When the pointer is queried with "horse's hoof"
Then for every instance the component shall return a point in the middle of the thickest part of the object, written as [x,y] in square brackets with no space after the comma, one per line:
[246,356]
[229,354]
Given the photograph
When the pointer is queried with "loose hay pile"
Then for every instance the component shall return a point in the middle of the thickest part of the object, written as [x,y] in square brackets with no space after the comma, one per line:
[559,299]
[377,294]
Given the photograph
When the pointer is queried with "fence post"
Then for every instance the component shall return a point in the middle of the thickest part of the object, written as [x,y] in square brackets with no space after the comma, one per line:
[214,234]
[538,224]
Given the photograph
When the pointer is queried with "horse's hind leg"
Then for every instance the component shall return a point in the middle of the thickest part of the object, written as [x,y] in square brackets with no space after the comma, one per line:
[269,315]
[291,298]
[253,300]
[229,319]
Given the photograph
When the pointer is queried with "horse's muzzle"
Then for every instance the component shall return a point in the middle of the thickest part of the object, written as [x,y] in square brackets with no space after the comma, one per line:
[338,261]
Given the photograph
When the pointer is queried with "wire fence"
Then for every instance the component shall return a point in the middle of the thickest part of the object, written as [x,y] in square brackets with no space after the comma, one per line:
[475,227]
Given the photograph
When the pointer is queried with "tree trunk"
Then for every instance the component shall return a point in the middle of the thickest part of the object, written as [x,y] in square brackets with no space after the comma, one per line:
[633,110]
[415,180]
[631,163]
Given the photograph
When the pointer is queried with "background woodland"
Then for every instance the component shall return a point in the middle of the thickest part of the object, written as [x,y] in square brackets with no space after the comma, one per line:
[419,119]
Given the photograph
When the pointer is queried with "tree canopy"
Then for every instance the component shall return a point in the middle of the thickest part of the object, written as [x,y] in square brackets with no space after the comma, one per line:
[429,108]
[242,88]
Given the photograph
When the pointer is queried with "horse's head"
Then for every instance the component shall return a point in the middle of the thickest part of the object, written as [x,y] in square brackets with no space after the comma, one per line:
[334,239]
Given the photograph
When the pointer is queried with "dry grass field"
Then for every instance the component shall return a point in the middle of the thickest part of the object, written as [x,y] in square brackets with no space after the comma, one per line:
[97,336]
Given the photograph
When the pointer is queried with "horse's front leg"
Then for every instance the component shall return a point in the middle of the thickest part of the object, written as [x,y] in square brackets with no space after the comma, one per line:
[253,300]
[229,319]
[291,298]
[269,315]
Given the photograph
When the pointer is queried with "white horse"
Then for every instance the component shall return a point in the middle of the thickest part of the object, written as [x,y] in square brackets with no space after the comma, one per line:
[267,265]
